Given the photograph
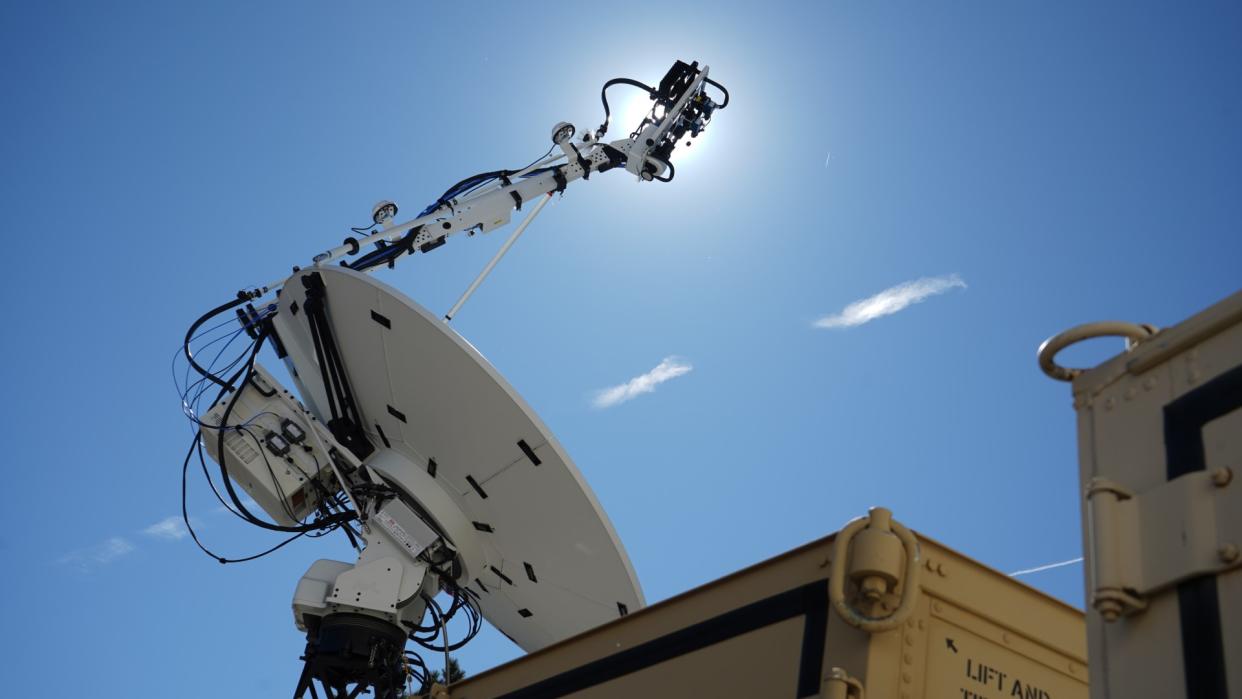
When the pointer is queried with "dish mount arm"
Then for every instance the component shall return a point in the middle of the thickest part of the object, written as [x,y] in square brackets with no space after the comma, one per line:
[681,108]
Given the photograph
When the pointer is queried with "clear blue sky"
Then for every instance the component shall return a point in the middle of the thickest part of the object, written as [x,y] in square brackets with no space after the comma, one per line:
[1069,162]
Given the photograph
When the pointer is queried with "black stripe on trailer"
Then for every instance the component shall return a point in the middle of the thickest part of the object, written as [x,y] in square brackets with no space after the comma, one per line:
[1198,603]
[809,601]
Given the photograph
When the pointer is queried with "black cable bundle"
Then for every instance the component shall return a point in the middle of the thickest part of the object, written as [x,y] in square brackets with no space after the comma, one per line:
[332,513]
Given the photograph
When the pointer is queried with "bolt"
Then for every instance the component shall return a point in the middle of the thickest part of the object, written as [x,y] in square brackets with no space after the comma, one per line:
[1228,553]
[1109,609]
[1222,476]
[873,588]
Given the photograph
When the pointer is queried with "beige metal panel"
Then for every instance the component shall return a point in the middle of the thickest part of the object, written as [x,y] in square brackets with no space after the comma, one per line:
[1121,407]
[976,588]
[1223,444]
[761,663]
[992,621]
[786,572]
[971,616]
[1126,430]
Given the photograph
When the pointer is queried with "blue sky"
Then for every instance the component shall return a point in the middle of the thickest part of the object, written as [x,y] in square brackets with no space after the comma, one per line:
[1066,162]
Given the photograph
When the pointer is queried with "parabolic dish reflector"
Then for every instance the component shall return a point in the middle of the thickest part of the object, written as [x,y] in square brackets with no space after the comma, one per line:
[554,567]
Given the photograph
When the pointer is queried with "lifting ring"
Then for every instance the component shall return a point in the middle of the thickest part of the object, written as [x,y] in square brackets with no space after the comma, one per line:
[1133,332]
[909,586]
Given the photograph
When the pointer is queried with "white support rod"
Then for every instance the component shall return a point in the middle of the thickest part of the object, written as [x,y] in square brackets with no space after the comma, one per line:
[496,258]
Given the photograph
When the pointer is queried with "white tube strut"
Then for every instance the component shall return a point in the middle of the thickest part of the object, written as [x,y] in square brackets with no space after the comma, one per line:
[496,258]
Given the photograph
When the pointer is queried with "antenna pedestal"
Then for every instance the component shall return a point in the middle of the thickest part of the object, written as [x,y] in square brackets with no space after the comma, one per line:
[345,650]
[357,620]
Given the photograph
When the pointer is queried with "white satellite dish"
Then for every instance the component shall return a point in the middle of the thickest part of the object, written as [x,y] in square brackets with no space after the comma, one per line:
[411,442]
[454,435]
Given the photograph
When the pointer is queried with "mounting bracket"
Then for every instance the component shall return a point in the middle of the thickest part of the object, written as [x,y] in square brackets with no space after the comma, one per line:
[1142,543]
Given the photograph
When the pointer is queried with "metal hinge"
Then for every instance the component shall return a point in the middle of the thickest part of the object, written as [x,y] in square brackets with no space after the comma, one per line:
[1142,543]
[839,685]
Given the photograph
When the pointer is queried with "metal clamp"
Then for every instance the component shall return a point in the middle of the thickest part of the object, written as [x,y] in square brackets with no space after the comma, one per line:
[839,685]
[1133,332]
[875,568]
[1139,544]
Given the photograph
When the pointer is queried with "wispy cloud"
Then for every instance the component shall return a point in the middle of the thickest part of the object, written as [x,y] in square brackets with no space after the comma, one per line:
[99,554]
[167,529]
[890,301]
[114,547]
[669,368]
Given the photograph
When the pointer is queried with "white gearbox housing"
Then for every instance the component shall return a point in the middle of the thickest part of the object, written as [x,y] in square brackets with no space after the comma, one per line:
[387,582]
[275,458]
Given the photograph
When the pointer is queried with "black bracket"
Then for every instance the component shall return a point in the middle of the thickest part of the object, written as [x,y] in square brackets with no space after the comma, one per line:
[582,162]
[345,423]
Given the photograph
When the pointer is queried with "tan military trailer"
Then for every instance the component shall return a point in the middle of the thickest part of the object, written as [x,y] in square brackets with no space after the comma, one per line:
[874,611]
[1160,450]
